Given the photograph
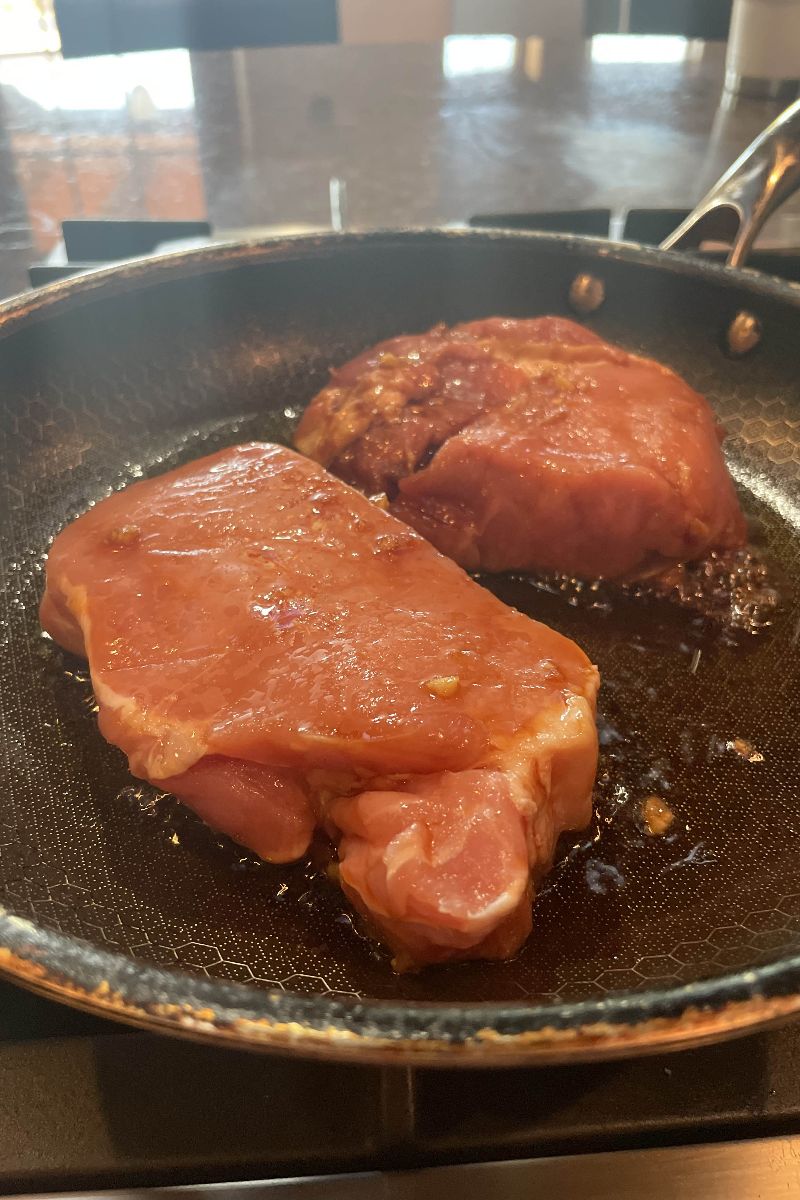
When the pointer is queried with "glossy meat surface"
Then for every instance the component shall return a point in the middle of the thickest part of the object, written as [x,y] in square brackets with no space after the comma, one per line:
[281,654]
[530,445]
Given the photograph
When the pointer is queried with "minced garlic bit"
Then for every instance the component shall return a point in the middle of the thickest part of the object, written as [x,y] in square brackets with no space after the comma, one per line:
[746,750]
[443,685]
[381,500]
[404,964]
[123,535]
[657,817]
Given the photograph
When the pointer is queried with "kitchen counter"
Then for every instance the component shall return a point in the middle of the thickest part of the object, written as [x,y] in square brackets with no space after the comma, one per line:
[423,134]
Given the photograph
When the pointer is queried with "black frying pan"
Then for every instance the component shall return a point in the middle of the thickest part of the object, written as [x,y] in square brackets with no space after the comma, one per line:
[120,902]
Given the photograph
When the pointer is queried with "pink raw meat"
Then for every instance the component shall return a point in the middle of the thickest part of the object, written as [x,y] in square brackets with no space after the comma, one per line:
[281,654]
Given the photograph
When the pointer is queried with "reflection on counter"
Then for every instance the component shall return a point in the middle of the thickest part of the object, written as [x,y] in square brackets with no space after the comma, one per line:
[251,139]
[99,136]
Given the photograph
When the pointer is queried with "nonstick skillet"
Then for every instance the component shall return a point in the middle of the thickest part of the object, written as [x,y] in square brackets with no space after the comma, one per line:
[116,900]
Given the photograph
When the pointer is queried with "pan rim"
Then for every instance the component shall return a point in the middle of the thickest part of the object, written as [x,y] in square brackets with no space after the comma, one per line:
[130,274]
[115,985]
[489,1034]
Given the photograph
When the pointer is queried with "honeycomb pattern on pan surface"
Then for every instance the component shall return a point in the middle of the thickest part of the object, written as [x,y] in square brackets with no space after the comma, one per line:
[87,850]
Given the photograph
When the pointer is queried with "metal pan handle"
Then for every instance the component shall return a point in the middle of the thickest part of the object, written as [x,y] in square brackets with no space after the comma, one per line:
[740,201]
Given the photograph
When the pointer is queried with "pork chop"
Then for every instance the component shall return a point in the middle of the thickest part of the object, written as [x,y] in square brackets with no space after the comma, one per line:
[281,654]
[531,445]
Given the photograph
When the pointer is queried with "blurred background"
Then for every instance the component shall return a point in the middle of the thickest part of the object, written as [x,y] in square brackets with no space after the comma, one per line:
[244,117]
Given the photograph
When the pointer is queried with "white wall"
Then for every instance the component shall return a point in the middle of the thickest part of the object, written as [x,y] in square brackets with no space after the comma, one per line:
[381,21]
[552,19]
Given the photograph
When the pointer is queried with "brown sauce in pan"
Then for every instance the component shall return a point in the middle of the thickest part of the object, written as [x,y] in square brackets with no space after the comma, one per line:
[732,592]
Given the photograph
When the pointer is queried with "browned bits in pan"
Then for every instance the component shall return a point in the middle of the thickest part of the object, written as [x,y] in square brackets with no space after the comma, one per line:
[656,816]
[745,750]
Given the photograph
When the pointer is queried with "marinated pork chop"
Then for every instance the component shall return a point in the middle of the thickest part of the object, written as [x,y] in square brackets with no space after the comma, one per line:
[280,654]
[530,445]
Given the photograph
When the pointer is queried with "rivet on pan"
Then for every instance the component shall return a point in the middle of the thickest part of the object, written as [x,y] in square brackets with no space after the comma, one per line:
[586,293]
[744,333]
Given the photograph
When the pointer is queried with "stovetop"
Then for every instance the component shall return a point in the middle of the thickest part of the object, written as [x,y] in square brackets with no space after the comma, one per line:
[88,244]
[87,1103]
[91,1104]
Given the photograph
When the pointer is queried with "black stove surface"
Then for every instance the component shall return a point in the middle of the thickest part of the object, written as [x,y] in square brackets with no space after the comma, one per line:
[89,1104]
[88,244]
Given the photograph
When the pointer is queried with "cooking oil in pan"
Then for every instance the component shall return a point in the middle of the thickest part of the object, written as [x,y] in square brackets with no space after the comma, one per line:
[660,726]
[731,591]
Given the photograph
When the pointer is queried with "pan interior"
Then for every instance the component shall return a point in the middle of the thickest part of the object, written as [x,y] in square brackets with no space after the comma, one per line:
[140,381]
